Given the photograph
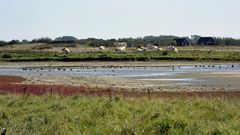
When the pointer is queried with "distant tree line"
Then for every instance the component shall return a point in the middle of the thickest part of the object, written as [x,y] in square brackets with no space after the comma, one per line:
[42,40]
[228,41]
[163,40]
[156,40]
[98,42]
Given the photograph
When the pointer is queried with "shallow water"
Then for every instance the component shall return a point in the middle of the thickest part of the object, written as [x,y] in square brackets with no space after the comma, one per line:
[179,75]
[122,72]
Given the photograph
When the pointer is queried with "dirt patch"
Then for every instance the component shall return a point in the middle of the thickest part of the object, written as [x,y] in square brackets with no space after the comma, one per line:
[4,79]
[39,89]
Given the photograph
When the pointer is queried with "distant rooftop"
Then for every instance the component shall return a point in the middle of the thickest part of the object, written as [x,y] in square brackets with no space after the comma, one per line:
[206,41]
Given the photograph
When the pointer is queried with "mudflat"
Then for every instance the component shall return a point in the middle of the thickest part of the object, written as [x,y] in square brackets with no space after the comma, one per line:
[181,81]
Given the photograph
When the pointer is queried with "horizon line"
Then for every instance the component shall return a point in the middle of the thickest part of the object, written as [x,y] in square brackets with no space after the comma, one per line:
[118,37]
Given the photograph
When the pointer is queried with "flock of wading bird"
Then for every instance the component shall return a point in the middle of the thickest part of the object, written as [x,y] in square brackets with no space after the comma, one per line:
[113,68]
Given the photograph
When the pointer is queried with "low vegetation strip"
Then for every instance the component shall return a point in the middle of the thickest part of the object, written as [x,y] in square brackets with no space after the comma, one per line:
[52,114]
[185,55]
[43,89]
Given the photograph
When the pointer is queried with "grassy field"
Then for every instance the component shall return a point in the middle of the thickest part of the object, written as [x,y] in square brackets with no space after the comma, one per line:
[184,55]
[99,115]
[52,52]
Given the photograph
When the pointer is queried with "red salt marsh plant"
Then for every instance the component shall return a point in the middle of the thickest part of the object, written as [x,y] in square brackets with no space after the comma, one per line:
[14,85]
[11,79]
[41,89]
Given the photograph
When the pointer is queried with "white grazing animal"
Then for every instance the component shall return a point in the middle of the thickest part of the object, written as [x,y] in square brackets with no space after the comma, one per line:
[172,48]
[152,47]
[140,50]
[160,49]
[120,49]
[101,48]
[66,50]
[176,50]
[120,44]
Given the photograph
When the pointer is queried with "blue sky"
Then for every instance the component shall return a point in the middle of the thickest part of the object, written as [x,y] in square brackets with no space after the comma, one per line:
[28,19]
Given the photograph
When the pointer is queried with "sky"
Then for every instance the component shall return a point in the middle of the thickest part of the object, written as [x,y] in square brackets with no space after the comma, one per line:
[28,19]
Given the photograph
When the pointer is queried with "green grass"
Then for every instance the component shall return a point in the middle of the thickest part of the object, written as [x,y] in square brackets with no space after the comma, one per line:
[99,115]
[184,55]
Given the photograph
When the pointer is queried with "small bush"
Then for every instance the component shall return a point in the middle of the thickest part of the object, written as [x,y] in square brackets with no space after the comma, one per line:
[166,126]
[57,107]
[216,132]
[4,116]
[103,56]
[6,56]
[165,53]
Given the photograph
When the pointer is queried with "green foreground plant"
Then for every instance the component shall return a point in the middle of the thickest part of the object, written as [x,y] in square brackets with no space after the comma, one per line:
[99,115]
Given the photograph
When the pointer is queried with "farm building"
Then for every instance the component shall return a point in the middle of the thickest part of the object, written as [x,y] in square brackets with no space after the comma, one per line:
[182,41]
[206,41]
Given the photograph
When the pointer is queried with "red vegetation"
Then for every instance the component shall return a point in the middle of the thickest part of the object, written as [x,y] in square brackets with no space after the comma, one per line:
[87,91]
[12,85]
[11,79]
